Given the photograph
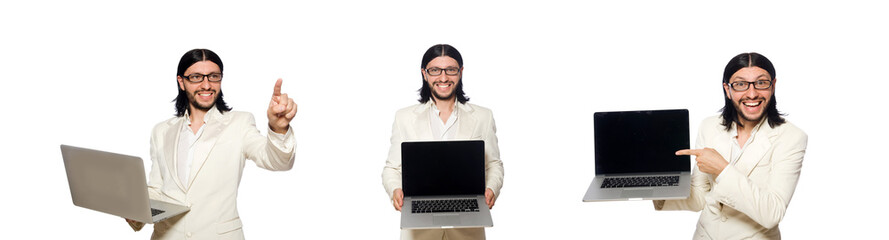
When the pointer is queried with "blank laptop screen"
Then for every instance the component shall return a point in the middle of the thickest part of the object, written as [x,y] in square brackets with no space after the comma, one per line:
[641,141]
[443,168]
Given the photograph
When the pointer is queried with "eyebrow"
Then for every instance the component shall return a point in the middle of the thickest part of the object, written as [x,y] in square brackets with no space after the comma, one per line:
[203,74]
[757,77]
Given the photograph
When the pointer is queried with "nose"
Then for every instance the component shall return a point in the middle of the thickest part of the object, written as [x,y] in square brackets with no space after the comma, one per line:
[205,83]
[750,93]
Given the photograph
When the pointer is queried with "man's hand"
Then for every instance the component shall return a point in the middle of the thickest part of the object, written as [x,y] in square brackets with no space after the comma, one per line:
[489,197]
[281,110]
[136,225]
[709,161]
[398,199]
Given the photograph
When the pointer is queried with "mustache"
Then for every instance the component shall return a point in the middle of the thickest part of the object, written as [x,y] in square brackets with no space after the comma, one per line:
[751,99]
[208,90]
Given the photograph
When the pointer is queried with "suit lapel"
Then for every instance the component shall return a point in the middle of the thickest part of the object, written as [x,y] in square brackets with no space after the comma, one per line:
[171,150]
[723,147]
[422,129]
[466,121]
[757,149]
[213,128]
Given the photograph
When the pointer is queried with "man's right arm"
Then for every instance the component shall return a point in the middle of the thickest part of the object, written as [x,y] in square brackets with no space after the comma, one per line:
[700,184]
[155,180]
[392,170]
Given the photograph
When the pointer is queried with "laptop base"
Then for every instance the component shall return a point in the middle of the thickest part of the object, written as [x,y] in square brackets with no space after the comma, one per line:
[596,193]
[443,220]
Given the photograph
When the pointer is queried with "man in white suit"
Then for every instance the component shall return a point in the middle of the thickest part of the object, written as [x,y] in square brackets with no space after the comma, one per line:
[198,156]
[748,158]
[443,114]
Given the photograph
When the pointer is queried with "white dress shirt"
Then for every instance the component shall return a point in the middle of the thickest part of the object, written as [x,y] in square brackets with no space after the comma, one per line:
[737,150]
[443,130]
[187,138]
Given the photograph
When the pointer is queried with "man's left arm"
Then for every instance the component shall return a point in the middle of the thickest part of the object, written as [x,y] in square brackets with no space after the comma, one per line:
[493,165]
[276,151]
[765,202]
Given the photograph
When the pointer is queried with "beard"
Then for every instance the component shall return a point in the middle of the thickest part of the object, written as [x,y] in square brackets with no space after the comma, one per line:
[447,96]
[194,103]
[739,107]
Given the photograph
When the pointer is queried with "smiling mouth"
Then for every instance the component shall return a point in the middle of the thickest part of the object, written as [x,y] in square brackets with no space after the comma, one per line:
[205,95]
[752,104]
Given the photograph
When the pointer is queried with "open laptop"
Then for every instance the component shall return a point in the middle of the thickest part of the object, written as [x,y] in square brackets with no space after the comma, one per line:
[114,184]
[635,156]
[444,185]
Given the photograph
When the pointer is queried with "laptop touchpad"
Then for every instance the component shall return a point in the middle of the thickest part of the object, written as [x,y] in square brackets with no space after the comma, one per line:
[641,193]
[446,220]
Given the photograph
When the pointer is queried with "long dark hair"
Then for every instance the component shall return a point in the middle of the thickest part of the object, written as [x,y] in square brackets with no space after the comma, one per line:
[441,50]
[188,59]
[751,59]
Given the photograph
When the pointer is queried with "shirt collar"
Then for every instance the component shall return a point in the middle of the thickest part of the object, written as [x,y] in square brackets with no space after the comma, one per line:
[436,111]
[212,110]
[734,130]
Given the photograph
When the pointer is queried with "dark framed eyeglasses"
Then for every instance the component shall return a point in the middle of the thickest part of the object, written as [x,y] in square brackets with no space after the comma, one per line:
[198,78]
[741,86]
[438,71]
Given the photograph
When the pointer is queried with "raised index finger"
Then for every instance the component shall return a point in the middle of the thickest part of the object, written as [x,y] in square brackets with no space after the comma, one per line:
[278,87]
[695,152]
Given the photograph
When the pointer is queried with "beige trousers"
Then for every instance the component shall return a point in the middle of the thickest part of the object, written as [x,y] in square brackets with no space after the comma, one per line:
[443,234]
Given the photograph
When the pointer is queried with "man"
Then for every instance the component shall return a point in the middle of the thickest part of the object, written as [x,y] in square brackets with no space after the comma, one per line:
[748,158]
[443,114]
[198,156]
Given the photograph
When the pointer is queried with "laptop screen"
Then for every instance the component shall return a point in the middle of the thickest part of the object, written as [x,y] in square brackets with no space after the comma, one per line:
[443,168]
[641,141]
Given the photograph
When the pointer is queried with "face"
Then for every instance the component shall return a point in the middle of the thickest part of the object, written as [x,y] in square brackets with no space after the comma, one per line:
[201,96]
[443,86]
[751,103]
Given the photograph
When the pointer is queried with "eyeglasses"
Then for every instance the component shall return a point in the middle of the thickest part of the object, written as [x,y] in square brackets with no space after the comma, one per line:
[741,86]
[198,78]
[448,71]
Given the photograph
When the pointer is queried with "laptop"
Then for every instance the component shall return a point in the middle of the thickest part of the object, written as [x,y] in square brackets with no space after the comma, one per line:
[635,156]
[444,185]
[114,184]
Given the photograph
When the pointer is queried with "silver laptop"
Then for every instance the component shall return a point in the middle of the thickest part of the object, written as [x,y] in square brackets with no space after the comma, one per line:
[444,185]
[114,184]
[635,156]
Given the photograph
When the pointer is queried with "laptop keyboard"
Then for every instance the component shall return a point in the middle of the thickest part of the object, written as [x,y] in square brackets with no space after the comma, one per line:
[445,205]
[653,181]
[155,212]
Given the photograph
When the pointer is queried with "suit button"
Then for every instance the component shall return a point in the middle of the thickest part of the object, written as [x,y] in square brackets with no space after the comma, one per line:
[188,234]
[189,205]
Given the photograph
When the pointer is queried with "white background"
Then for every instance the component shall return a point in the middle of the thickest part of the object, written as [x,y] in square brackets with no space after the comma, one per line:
[101,74]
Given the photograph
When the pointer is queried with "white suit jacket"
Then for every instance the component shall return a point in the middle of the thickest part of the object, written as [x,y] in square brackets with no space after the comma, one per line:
[212,188]
[474,122]
[752,195]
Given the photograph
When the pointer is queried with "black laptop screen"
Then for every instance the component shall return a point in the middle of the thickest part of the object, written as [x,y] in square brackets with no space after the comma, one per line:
[443,168]
[641,141]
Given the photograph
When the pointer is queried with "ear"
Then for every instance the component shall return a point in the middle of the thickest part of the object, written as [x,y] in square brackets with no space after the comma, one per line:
[423,73]
[181,84]
[728,93]
[774,81]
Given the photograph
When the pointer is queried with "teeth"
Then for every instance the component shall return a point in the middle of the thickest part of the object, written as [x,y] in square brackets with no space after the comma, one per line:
[752,104]
[205,94]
